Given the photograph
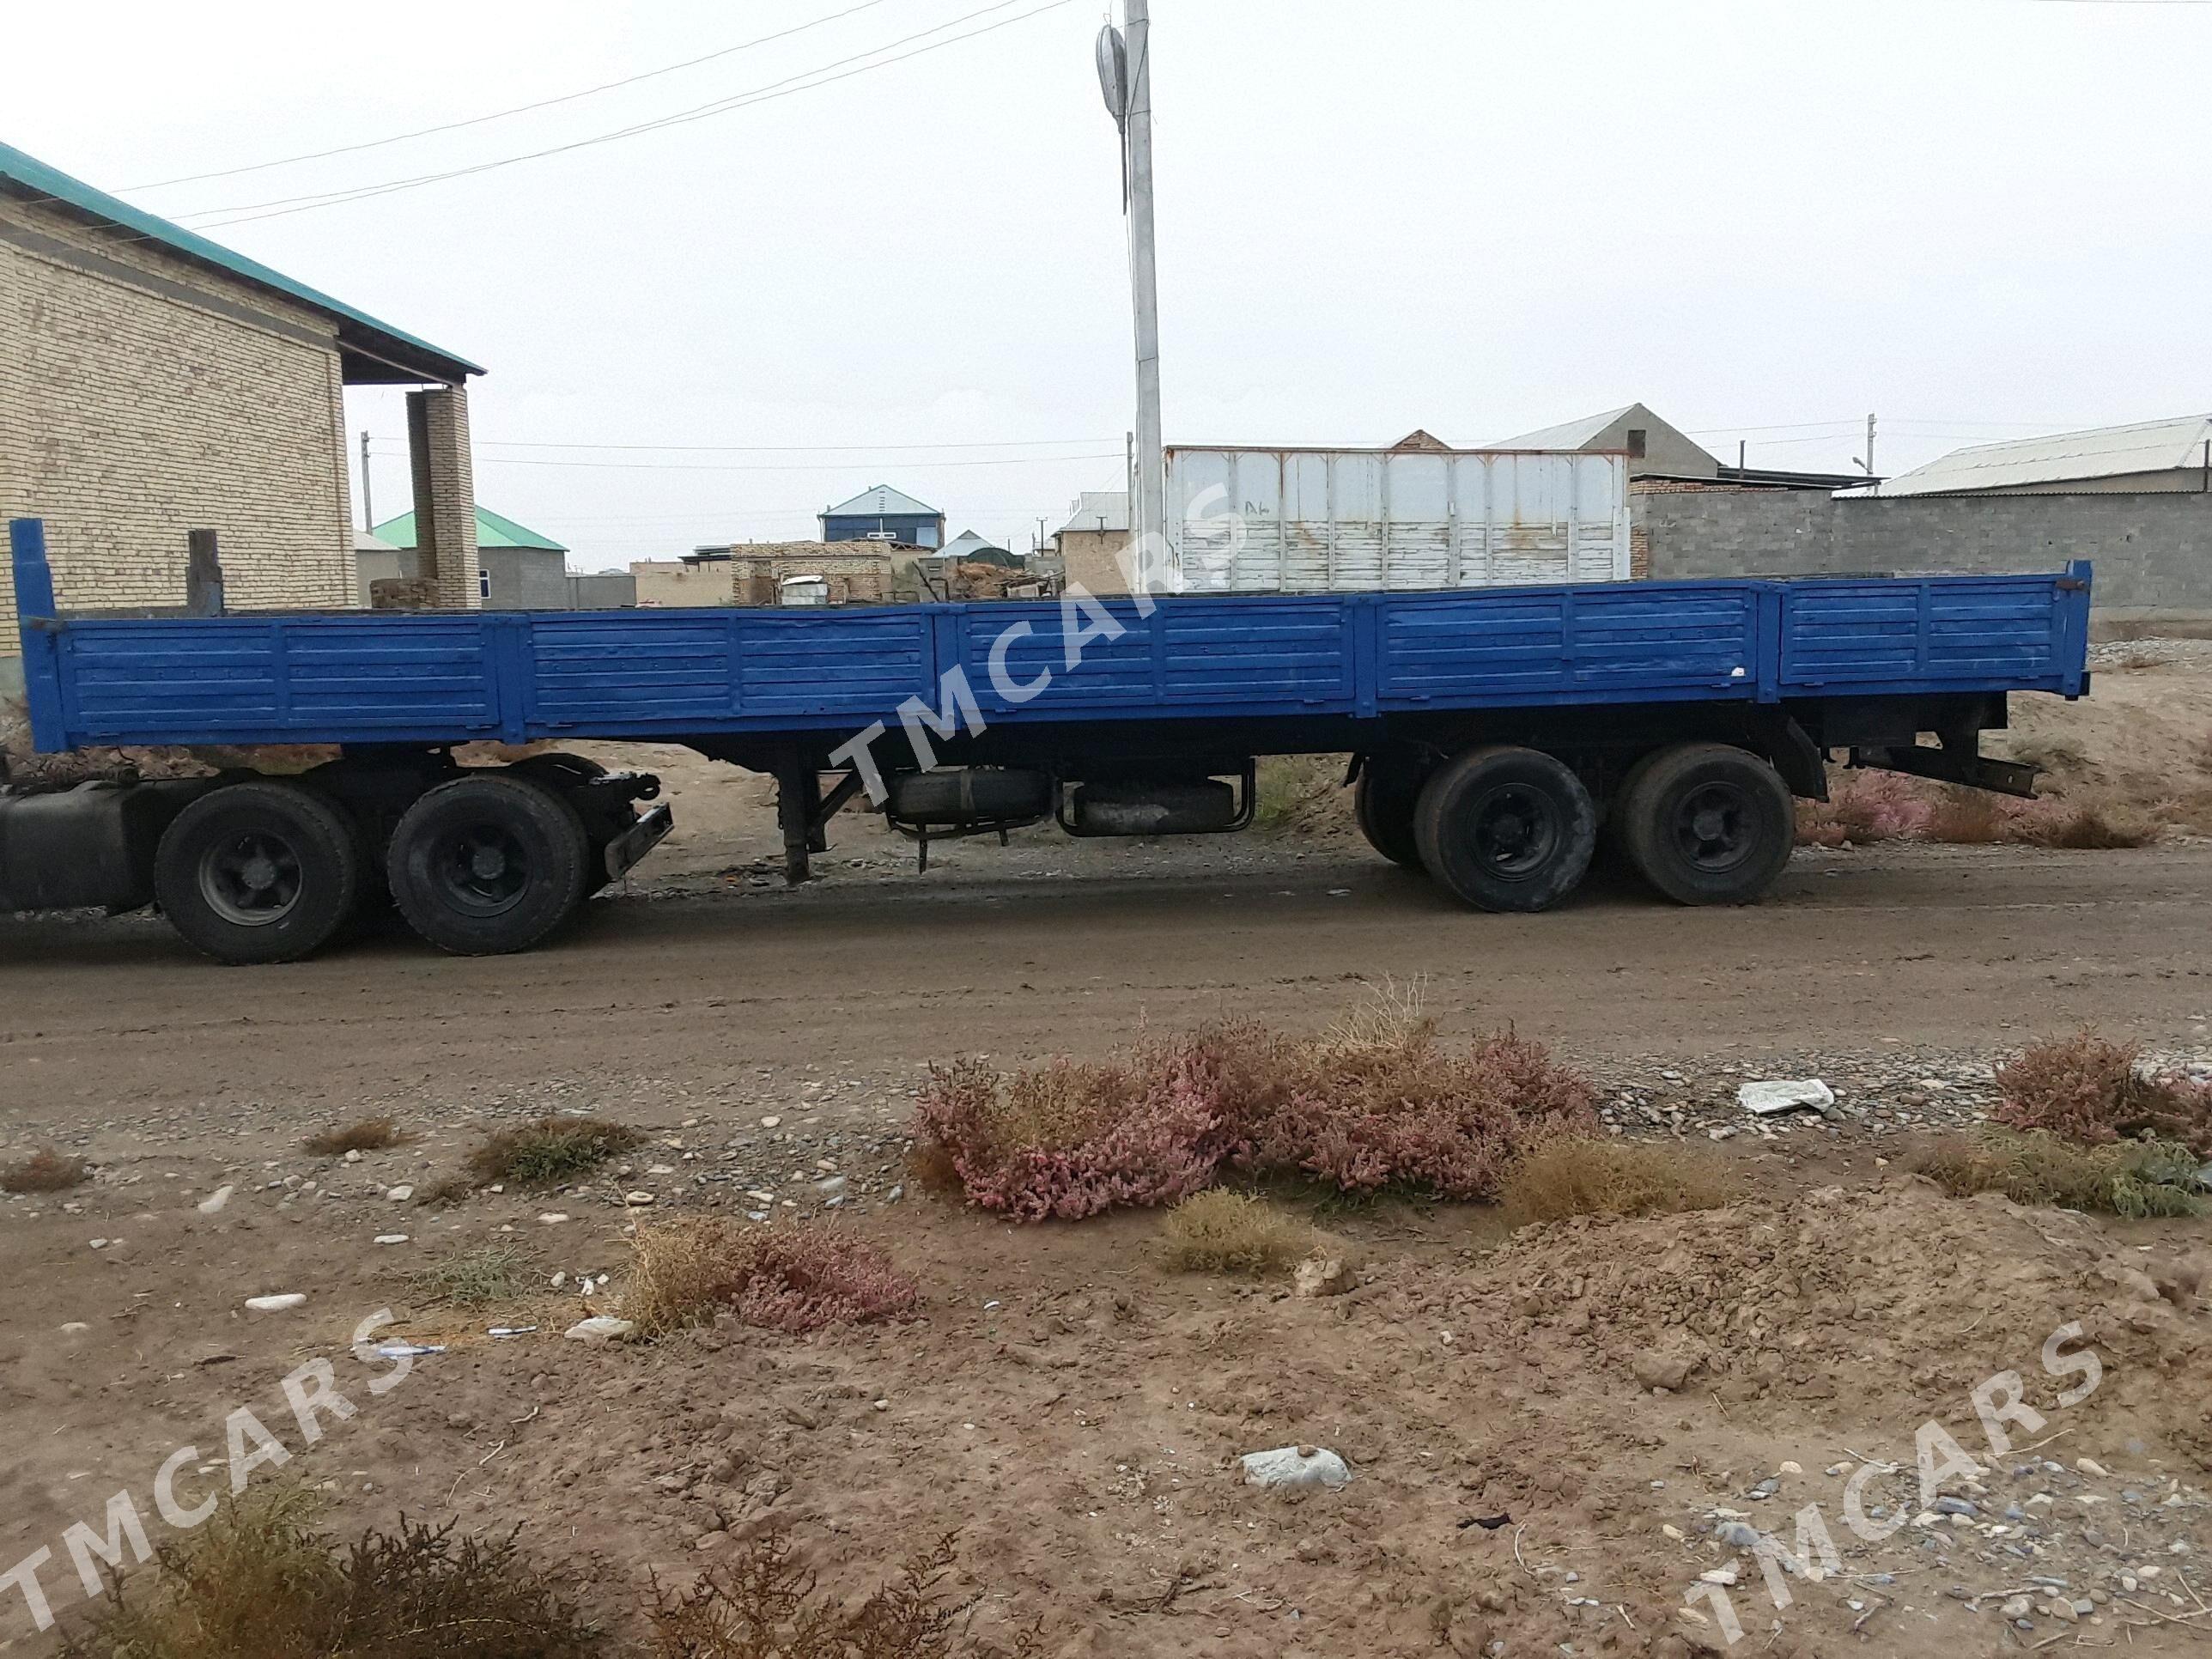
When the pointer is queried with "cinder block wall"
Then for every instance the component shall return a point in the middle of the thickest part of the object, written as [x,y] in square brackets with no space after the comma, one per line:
[2153,552]
[524,579]
[142,396]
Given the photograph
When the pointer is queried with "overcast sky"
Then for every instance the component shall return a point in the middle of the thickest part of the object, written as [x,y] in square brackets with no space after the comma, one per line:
[1766,218]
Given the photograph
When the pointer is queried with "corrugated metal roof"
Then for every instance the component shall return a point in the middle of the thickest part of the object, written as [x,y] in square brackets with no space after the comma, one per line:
[492,531]
[29,174]
[1572,436]
[2104,453]
[881,500]
[1093,505]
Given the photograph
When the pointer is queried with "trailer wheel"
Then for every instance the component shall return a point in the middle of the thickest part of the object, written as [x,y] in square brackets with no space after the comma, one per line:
[1505,829]
[257,872]
[489,864]
[1383,802]
[1708,823]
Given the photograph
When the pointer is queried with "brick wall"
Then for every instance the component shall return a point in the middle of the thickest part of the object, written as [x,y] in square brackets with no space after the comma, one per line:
[1091,559]
[2153,552]
[759,569]
[140,397]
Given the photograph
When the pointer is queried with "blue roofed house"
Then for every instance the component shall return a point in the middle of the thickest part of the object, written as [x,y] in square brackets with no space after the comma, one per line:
[881,514]
[154,382]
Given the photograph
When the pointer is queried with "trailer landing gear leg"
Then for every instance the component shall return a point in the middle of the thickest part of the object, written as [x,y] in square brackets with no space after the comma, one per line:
[798,811]
[803,814]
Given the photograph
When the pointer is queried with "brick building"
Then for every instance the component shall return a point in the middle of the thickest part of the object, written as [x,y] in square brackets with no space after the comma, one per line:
[1092,542]
[154,382]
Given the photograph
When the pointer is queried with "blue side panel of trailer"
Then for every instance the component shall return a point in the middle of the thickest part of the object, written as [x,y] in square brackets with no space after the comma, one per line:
[432,678]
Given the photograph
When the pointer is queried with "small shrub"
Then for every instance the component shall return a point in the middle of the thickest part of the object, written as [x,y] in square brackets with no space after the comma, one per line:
[2086,1090]
[261,1581]
[44,1171]
[1966,817]
[489,1275]
[765,1606]
[2132,1178]
[2085,827]
[549,1152]
[370,1135]
[1864,806]
[1066,1140]
[1219,1231]
[1612,1179]
[795,1280]
[1298,792]
[1375,1103]
[1380,1109]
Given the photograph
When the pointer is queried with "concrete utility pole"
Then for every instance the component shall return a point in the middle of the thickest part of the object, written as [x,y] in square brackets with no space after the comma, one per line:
[1125,69]
[367,506]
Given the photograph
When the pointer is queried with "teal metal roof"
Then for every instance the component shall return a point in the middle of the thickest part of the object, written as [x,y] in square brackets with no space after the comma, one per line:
[381,345]
[493,530]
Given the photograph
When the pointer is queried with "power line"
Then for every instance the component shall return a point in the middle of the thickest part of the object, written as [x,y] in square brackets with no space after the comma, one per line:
[777,449]
[245,213]
[518,109]
[695,466]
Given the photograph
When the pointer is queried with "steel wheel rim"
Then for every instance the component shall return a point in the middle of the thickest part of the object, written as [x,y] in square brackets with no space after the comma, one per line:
[252,879]
[1514,832]
[482,869]
[1715,828]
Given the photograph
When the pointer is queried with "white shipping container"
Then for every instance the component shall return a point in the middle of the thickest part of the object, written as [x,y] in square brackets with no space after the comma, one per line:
[1337,520]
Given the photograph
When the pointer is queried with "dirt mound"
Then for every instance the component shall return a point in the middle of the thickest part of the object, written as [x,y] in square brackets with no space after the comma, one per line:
[1897,1300]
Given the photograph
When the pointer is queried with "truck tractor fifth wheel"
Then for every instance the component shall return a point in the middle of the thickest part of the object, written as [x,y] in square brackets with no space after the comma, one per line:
[1505,829]
[1707,824]
[489,864]
[258,871]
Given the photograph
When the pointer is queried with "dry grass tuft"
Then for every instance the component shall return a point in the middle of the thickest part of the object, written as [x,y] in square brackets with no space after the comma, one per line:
[549,1152]
[1612,1179]
[1967,817]
[688,1268]
[2085,1088]
[370,1135]
[2131,1178]
[1220,1231]
[765,1605]
[2086,828]
[929,1166]
[485,1276]
[261,1581]
[1376,1103]
[44,1171]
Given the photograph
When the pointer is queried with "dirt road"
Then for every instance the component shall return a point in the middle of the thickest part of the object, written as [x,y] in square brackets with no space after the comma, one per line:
[1068,1406]
[1954,948]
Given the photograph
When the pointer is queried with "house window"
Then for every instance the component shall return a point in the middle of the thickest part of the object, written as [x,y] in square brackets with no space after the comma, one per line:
[483,584]
[1639,442]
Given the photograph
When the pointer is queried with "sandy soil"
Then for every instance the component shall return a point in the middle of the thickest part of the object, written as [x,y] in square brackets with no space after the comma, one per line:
[1071,1408]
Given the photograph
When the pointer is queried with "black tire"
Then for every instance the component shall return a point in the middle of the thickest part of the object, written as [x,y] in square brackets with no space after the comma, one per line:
[1383,802]
[257,872]
[489,864]
[570,776]
[1505,829]
[1708,823]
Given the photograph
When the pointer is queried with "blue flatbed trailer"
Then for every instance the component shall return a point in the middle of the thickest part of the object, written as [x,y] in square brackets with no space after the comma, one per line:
[1495,732]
